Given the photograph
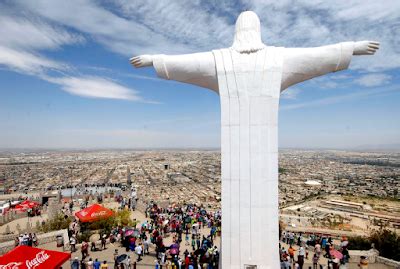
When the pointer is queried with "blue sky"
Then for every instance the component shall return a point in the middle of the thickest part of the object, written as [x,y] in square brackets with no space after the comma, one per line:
[66,82]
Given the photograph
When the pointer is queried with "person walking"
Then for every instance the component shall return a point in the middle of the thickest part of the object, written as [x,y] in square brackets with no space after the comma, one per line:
[104,265]
[83,264]
[146,245]
[291,253]
[103,241]
[198,241]
[115,255]
[84,249]
[187,238]
[75,263]
[34,240]
[89,264]
[139,252]
[193,242]
[72,243]
[300,257]
[317,249]
[96,264]
[315,261]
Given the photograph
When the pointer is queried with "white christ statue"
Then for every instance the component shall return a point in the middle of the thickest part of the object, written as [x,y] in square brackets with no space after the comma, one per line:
[249,78]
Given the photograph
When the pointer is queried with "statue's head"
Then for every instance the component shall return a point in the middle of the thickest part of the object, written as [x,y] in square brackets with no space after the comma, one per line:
[247,33]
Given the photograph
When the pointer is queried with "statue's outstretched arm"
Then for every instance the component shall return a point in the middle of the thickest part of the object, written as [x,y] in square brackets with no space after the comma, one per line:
[300,64]
[197,68]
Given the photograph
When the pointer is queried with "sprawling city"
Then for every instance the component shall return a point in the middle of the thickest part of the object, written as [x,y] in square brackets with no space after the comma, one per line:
[326,192]
[175,176]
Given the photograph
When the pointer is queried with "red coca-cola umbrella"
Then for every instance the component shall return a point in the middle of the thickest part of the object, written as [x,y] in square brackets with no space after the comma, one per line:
[20,208]
[24,257]
[30,204]
[25,205]
[93,213]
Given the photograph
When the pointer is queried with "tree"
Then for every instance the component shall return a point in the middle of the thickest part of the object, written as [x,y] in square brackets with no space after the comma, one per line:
[386,242]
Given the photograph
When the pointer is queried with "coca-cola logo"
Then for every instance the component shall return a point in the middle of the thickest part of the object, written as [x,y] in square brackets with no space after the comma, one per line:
[84,213]
[11,265]
[40,258]
[98,214]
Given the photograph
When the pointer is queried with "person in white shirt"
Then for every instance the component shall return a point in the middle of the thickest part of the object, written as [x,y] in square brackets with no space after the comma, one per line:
[139,252]
[21,239]
[89,264]
[179,263]
[146,245]
[72,243]
[300,257]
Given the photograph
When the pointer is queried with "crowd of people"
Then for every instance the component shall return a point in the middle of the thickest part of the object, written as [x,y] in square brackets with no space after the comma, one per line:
[185,221]
[319,244]
[27,239]
[174,225]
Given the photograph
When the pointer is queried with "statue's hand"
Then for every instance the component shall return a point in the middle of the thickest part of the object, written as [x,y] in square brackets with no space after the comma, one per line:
[365,47]
[141,61]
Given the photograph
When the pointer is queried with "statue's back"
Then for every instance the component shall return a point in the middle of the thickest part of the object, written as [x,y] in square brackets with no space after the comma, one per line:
[249,88]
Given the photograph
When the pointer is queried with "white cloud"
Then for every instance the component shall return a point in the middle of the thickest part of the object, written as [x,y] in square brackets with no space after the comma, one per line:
[373,80]
[23,38]
[33,34]
[313,23]
[152,26]
[26,62]
[125,36]
[95,87]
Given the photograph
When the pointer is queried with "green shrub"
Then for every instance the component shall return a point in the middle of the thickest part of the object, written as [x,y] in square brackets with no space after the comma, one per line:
[84,236]
[59,222]
[359,243]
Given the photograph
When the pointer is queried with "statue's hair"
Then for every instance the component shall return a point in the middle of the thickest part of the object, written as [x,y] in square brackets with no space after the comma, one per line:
[247,33]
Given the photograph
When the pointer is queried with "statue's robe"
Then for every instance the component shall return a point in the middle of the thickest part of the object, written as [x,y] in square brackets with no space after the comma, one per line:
[249,86]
